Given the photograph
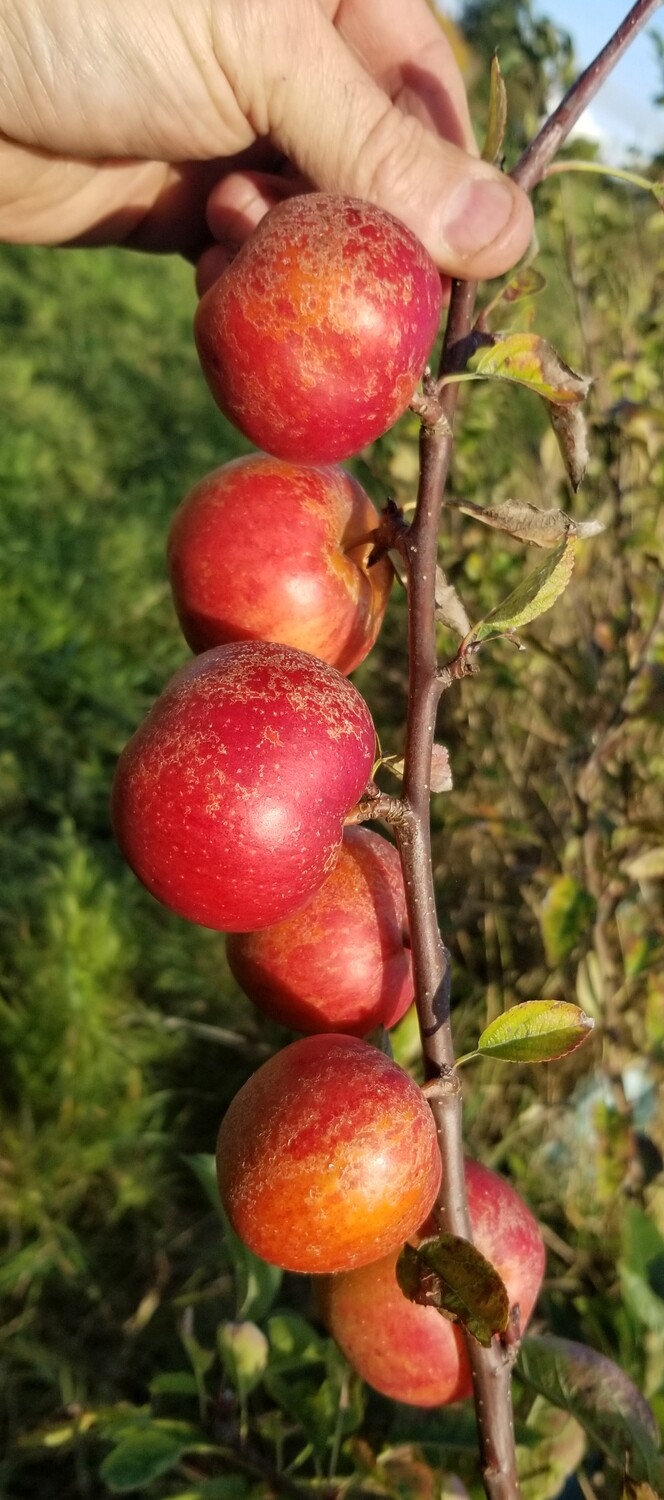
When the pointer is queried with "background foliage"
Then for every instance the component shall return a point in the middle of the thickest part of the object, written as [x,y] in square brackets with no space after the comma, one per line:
[122,1032]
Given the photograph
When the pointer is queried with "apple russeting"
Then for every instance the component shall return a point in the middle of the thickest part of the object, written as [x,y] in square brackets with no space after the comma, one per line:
[314,339]
[229,800]
[272,551]
[412,1353]
[343,962]
[327,1158]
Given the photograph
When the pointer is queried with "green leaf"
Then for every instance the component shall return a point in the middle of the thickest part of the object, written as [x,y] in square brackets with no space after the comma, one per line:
[529,360]
[293,1342]
[643,1246]
[641,1300]
[566,915]
[641,1268]
[497,115]
[616,1417]
[140,1458]
[536,1031]
[453,1276]
[537,593]
[201,1361]
[203,1165]
[256,1283]
[314,1406]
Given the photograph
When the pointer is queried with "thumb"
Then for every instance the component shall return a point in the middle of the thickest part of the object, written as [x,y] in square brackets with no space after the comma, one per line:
[334,122]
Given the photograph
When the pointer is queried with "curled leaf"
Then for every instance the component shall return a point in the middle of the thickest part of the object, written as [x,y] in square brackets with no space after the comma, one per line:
[525,283]
[528,360]
[449,609]
[537,593]
[536,1031]
[528,523]
[452,1275]
[569,425]
[441,772]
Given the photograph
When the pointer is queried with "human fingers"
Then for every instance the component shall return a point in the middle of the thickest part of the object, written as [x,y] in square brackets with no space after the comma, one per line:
[406,50]
[333,120]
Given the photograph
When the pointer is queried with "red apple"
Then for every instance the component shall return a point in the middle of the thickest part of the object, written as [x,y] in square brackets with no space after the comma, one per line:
[327,1157]
[314,339]
[343,963]
[412,1353]
[229,801]
[278,552]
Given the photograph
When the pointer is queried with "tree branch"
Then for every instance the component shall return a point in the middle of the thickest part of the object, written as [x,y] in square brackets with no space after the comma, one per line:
[491,1367]
[532,165]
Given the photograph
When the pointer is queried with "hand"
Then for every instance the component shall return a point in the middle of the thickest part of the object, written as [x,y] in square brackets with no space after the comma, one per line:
[175,124]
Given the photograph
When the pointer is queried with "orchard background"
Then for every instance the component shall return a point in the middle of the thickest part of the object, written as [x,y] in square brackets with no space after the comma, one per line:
[122,1032]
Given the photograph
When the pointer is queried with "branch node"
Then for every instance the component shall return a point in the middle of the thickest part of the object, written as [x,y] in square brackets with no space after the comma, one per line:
[390,533]
[443,1088]
[377,805]
[427,406]
[463,665]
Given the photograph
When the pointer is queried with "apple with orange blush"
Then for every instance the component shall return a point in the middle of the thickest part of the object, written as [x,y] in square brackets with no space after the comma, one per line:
[315,337]
[272,551]
[410,1352]
[343,963]
[328,1157]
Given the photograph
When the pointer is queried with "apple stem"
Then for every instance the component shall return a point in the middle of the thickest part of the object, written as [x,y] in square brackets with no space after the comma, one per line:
[418,545]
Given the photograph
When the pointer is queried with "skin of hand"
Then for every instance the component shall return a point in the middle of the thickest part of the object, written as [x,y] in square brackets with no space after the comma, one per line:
[176,124]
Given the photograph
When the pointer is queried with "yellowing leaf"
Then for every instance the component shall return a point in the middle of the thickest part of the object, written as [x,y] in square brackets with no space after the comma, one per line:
[497,118]
[537,593]
[567,912]
[452,1275]
[536,1031]
[526,282]
[531,361]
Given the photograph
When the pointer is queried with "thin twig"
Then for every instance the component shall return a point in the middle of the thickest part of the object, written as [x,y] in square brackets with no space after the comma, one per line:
[532,165]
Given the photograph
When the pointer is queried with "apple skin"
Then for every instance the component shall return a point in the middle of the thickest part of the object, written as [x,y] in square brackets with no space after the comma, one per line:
[265,550]
[341,964]
[413,1353]
[327,1158]
[314,339]
[229,801]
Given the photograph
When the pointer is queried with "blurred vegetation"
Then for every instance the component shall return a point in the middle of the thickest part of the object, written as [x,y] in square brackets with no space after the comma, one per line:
[122,1032]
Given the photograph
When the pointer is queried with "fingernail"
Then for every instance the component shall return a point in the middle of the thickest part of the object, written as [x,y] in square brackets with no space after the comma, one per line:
[476,213]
